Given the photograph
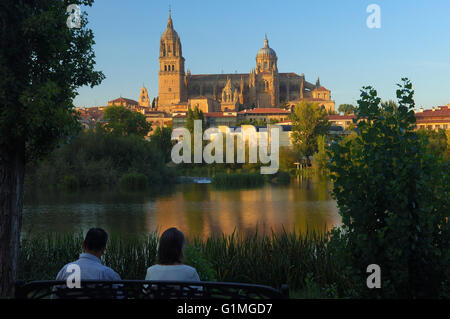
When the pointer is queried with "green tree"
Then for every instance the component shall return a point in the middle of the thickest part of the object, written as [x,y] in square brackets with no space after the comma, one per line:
[193,115]
[122,121]
[162,141]
[42,63]
[346,108]
[393,197]
[308,122]
[437,142]
[321,157]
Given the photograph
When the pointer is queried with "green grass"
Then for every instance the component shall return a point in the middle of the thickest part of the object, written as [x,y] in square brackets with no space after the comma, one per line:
[300,260]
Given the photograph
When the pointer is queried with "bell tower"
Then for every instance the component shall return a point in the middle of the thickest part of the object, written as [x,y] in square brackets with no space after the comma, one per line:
[143,98]
[171,69]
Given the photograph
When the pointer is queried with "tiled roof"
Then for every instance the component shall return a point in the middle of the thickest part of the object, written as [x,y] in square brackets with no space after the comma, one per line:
[337,117]
[322,89]
[218,114]
[122,99]
[235,75]
[429,121]
[443,111]
[264,110]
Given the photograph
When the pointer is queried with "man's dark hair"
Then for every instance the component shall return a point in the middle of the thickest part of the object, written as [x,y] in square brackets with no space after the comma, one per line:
[170,248]
[96,239]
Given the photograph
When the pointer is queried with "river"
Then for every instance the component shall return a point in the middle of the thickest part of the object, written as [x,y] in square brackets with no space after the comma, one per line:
[196,209]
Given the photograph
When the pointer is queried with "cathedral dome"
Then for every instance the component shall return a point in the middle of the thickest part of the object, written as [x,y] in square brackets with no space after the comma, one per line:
[266,51]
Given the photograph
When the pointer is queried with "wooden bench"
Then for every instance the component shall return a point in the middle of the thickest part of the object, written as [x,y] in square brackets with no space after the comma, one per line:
[142,289]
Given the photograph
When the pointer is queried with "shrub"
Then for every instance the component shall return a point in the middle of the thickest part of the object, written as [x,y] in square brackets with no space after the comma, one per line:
[134,182]
[98,158]
[70,182]
[394,200]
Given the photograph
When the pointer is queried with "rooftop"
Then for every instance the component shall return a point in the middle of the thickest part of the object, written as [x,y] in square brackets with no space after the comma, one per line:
[265,110]
[122,99]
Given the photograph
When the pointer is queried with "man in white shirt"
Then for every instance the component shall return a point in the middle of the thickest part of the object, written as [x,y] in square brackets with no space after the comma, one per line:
[89,263]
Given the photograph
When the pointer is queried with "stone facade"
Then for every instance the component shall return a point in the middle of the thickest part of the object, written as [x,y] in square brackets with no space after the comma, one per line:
[144,100]
[263,87]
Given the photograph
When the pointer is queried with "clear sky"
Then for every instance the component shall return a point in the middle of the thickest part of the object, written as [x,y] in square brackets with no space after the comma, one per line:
[326,38]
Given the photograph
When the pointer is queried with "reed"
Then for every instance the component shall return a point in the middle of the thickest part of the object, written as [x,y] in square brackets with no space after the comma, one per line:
[300,260]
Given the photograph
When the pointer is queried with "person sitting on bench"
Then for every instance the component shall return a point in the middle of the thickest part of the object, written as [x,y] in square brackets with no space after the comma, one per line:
[170,265]
[90,264]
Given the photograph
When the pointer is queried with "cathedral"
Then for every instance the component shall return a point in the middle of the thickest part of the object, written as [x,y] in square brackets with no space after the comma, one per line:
[263,87]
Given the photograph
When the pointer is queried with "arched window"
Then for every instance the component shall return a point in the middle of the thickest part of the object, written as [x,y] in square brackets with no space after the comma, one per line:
[165,68]
[173,67]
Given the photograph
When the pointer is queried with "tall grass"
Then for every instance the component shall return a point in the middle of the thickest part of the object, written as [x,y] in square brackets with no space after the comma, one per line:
[300,260]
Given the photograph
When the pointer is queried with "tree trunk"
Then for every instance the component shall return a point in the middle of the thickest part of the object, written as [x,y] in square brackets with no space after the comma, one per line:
[12,168]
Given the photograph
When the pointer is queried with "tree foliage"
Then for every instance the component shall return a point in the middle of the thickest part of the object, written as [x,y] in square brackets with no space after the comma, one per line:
[308,122]
[193,115]
[162,140]
[321,156]
[124,122]
[393,197]
[96,158]
[346,108]
[42,63]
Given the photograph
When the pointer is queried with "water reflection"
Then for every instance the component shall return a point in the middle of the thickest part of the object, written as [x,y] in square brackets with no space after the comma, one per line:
[197,209]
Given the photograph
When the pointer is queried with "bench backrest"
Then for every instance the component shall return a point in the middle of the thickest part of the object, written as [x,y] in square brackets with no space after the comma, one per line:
[142,289]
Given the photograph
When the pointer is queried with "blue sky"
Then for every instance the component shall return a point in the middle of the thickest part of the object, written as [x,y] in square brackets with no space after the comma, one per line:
[325,38]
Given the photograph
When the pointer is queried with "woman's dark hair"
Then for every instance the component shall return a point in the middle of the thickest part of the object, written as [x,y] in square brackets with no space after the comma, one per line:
[96,239]
[170,248]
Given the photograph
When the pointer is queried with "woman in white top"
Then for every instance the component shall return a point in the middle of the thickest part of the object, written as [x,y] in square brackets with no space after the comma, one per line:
[170,259]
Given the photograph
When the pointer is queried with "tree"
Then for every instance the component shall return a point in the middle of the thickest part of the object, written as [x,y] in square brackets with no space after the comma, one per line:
[393,197]
[42,63]
[346,108]
[192,116]
[321,157]
[123,121]
[162,141]
[308,122]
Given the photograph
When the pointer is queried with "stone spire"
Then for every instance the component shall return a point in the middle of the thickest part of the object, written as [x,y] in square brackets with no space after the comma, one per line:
[169,22]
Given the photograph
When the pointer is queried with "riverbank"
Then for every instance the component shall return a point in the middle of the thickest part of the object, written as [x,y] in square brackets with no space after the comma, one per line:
[300,260]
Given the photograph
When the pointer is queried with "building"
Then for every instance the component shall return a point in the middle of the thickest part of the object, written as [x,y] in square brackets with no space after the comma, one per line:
[266,115]
[263,87]
[343,121]
[434,119]
[128,103]
[212,119]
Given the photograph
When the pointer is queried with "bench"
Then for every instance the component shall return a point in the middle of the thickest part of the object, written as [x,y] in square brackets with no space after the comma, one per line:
[144,289]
